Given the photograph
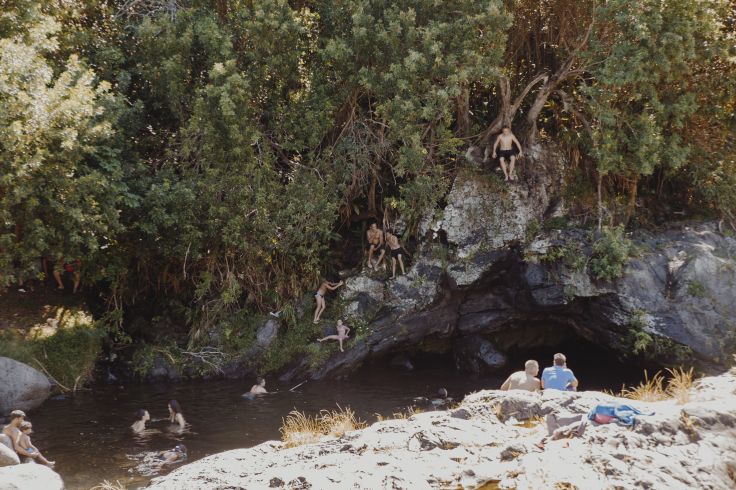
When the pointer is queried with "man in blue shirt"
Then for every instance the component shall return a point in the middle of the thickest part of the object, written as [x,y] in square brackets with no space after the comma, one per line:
[558,377]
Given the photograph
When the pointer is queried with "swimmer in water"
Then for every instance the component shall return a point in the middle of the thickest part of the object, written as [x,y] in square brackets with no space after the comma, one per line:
[140,425]
[179,453]
[176,416]
[259,388]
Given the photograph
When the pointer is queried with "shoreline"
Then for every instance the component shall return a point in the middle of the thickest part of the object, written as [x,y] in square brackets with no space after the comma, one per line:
[491,437]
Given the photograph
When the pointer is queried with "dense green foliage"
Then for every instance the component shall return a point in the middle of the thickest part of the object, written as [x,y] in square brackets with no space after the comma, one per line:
[209,152]
[68,355]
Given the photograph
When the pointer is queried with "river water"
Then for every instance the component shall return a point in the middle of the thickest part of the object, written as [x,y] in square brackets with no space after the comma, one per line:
[89,437]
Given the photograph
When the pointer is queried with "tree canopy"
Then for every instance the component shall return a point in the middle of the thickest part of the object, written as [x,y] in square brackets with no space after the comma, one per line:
[214,151]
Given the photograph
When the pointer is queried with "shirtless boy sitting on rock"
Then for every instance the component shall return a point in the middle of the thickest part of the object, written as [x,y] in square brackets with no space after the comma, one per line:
[506,140]
[524,380]
[375,243]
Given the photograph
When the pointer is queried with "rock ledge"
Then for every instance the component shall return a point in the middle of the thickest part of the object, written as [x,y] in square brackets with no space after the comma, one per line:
[491,439]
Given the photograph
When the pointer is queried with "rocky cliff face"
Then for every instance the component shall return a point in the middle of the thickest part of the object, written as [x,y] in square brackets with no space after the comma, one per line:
[492,440]
[486,271]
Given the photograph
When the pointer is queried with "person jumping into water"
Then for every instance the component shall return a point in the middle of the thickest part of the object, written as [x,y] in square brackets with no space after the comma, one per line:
[507,140]
[342,334]
[319,296]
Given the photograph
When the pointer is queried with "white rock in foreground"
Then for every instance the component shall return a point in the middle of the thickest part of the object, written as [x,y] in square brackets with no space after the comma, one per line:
[29,476]
[680,447]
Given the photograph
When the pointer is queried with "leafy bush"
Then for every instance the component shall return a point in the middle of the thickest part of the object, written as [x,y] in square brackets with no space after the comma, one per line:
[610,254]
[68,355]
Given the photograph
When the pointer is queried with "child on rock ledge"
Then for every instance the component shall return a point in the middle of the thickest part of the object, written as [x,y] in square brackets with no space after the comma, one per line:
[342,334]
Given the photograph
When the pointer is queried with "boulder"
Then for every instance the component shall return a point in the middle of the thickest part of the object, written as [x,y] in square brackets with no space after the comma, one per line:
[8,456]
[21,386]
[163,370]
[30,477]
[267,333]
[476,355]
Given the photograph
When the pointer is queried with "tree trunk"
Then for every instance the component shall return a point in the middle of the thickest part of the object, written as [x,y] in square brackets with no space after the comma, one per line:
[462,102]
[372,192]
[633,185]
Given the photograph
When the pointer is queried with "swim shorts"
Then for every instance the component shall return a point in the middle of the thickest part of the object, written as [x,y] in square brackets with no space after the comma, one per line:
[506,154]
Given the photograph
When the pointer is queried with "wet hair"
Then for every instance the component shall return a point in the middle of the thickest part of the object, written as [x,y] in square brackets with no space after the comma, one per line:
[181,447]
[140,413]
[17,414]
[175,407]
[26,425]
[442,392]
[260,380]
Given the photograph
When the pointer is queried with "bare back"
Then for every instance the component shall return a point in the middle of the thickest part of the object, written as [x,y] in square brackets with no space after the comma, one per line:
[520,380]
[12,432]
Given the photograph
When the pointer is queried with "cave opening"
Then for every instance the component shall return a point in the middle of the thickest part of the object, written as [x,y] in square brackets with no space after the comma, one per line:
[596,366]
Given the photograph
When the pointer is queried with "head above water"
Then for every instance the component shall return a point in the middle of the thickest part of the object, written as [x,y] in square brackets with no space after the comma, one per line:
[17,417]
[142,415]
[180,448]
[559,359]
[261,381]
[442,393]
[531,367]
[174,407]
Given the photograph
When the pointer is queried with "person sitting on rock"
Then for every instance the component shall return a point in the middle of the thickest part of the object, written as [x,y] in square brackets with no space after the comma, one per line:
[176,416]
[319,296]
[259,388]
[140,425]
[375,243]
[558,376]
[524,380]
[26,429]
[342,334]
[507,140]
[392,241]
[12,433]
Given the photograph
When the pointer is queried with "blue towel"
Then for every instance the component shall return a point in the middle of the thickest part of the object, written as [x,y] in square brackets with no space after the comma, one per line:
[624,414]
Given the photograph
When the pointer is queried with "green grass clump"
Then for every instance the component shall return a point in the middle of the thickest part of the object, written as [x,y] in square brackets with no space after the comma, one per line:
[67,355]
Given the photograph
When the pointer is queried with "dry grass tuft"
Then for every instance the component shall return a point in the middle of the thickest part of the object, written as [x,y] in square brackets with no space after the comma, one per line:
[678,386]
[403,415]
[299,428]
[107,485]
[649,390]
